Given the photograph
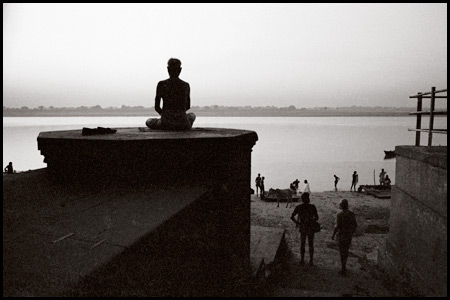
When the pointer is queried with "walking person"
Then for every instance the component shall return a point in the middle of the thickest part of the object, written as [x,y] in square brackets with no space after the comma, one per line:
[336,180]
[307,216]
[258,183]
[343,231]
[354,181]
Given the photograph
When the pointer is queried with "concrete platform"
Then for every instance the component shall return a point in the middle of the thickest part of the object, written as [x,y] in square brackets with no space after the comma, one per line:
[145,157]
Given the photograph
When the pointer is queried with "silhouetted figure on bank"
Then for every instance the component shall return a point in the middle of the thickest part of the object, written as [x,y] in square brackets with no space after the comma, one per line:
[9,168]
[354,181]
[344,230]
[175,94]
[306,188]
[387,181]
[261,187]
[296,182]
[336,180]
[307,215]
[382,174]
[258,184]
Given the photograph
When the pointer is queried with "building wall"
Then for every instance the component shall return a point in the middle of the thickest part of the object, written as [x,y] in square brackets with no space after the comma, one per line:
[416,247]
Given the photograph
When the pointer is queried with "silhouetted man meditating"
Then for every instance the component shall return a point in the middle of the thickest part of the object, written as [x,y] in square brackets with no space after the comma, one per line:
[176,99]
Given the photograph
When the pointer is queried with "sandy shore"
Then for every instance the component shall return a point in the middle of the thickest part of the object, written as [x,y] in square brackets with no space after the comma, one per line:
[373,218]
[372,215]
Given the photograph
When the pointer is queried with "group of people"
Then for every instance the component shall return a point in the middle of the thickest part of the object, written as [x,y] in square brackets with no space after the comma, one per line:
[354,181]
[176,96]
[384,179]
[305,216]
[294,186]
[259,182]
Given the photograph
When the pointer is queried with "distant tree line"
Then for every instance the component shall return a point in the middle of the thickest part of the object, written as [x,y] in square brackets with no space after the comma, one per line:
[212,110]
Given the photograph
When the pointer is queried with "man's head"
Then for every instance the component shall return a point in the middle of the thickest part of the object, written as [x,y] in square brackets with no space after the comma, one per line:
[306,181]
[305,198]
[343,204]
[174,67]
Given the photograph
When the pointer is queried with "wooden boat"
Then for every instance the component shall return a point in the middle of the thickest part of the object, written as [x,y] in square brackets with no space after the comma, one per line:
[268,197]
[379,191]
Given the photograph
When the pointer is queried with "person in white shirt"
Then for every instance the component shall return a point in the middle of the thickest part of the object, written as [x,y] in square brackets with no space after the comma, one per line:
[306,189]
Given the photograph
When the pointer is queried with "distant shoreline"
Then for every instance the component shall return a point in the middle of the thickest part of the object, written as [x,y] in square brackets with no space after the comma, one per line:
[211,111]
[205,114]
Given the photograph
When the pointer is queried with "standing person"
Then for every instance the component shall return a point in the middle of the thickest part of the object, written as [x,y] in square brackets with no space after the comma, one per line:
[307,214]
[258,183]
[9,168]
[336,180]
[354,181]
[387,181]
[382,174]
[306,188]
[344,230]
[296,182]
[262,187]
[175,94]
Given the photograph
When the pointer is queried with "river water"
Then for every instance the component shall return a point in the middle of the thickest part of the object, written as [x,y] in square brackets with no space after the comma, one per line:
[288,148]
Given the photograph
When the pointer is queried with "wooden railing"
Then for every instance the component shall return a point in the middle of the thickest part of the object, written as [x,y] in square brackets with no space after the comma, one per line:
[432,112]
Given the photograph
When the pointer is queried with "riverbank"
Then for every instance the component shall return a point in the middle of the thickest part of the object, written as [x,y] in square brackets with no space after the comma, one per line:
[211,111]
[364,278]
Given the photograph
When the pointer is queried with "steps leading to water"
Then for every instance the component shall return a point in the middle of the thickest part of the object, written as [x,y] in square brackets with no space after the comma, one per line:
[268,249]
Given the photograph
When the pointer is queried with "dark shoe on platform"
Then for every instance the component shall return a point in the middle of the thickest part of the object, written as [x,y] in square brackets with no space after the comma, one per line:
[102,130]
[88,131]
[98,130]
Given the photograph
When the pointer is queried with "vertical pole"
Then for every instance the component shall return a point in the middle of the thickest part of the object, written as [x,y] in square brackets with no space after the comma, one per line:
[374,183]
[430,130]
[419,118]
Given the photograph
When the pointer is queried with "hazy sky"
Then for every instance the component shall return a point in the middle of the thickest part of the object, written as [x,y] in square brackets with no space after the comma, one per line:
[232,54]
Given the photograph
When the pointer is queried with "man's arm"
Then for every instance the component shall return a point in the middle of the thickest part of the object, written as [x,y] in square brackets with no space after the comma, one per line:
[316,215]
[188,96]
[158,99]
[336,228]
[293,216]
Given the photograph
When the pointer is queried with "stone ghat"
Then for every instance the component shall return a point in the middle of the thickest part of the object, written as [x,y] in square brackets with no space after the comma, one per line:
[131,213]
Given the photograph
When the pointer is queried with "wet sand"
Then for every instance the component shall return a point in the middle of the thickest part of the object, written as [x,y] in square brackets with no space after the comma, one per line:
[322,279]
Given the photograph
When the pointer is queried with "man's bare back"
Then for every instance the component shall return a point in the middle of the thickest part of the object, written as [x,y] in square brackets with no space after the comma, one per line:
[175,94]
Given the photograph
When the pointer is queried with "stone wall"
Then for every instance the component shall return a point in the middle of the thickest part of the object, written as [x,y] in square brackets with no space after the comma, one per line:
[416,247]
